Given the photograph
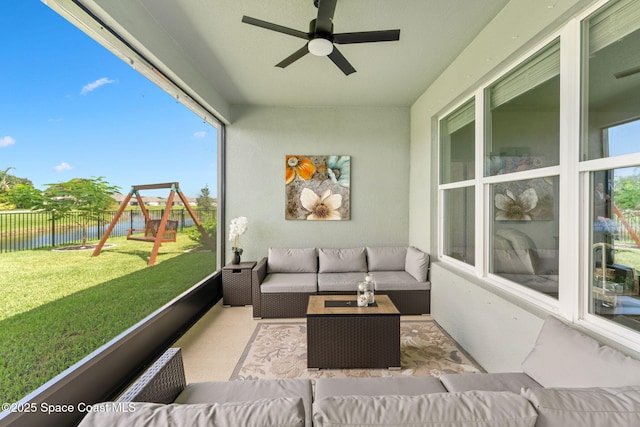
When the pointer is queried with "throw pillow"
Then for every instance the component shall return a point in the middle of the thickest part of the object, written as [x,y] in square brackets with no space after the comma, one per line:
[564,357]
[601,407]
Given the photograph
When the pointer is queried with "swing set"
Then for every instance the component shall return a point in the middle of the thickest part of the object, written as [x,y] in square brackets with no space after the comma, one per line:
[156,231]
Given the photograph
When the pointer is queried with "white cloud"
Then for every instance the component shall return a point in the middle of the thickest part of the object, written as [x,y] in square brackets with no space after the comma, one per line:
[95,85]
[6,141]
[64,166]
[200,134]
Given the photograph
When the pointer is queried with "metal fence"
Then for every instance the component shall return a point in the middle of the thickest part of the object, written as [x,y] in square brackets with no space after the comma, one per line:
[32,230]
[628,227]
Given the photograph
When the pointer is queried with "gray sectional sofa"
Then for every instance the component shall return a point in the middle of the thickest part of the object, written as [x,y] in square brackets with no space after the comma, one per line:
[283,281]
[568,380]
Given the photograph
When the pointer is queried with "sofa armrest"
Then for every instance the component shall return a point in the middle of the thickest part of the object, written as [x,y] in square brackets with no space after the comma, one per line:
[161,382]
[258,274]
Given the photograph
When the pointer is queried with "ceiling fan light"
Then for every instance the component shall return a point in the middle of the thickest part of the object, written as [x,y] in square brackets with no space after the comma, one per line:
[320,47]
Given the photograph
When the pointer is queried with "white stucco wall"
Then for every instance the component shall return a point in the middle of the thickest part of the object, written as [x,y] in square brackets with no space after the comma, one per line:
[377,139]
[498,330]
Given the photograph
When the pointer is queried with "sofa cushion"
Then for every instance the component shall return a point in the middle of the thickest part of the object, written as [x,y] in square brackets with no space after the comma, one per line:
[342,260]
[339,282]
[509,381]
[282,412]
[397,280]
[597,407]
[290,260]
[386,258]
[514,252]
[289,282]
[475,408]
[564,357]
[406,386]
[417,264]
[249,390]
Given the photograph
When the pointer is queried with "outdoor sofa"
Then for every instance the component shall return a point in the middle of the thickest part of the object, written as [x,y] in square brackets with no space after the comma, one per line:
[282,281]
[568,379]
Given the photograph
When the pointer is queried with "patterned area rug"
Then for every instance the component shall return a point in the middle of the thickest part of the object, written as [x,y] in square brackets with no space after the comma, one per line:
[279,350]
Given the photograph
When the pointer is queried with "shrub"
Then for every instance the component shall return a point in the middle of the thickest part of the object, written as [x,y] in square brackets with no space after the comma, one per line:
[210,227]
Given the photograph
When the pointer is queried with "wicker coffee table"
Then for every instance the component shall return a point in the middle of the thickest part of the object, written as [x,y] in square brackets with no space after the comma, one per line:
[341,335]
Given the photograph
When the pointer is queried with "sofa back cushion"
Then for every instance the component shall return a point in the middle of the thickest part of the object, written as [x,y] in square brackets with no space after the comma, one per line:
[602,407]
[474,408]
[284,412]
[386,258]
[342,260]
[564,357]
[292,260]
[417,264]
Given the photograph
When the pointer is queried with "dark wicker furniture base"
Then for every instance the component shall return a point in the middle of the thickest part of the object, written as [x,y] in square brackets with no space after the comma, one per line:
[236,283]
[345,338]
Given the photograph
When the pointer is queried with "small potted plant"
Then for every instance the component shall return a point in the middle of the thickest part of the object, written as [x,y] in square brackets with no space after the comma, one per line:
[237,227]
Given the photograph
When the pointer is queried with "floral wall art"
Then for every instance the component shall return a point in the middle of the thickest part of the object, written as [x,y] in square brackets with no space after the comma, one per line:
[317,187]
[527,200]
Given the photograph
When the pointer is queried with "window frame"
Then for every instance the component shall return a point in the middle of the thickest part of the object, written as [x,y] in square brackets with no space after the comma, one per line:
[573,174]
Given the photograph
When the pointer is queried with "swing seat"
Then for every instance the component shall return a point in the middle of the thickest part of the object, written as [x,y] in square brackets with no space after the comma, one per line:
[150,231]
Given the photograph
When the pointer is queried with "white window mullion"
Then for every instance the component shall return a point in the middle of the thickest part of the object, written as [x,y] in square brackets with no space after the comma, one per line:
[569,232]
[481,217]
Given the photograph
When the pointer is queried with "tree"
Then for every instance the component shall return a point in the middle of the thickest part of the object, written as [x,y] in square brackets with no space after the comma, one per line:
[24,196]
[626,192]
[4,181]
[80,200]
[7,181]
[204,200]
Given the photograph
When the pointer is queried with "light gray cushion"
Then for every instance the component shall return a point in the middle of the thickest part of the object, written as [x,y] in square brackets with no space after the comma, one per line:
[564,357]
[291,260]
[397,280]
[590,407]
[386,258]
[289,282]
[282,412]
[417,264]
[339,282]
[508,381]
[515,252]
[406,386]
[249,390]
[342,260]
[490,409]
[513,261]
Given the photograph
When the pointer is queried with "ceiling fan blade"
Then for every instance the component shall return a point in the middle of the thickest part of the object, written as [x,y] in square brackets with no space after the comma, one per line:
[341,62]
[367,37]
[275,27]
[627,73]
[324,21]
[293,57]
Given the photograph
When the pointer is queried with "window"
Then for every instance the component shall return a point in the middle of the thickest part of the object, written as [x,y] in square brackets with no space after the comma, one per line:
[523,135]
[611,129]
[458,144]
[457,148]
[523,123]
[459,224]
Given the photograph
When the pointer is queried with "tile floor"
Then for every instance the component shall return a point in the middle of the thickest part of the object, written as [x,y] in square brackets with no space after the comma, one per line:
[212,347]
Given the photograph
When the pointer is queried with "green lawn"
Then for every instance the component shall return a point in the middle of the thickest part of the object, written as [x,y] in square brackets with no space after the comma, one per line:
[57,307]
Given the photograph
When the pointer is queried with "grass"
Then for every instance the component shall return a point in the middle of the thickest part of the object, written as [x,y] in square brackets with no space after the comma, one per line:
[57,307]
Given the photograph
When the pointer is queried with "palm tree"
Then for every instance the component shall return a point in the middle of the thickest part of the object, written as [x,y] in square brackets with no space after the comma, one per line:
[4,182]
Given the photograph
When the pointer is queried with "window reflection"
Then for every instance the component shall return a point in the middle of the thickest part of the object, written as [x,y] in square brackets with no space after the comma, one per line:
[615,239]
[525,233]
[459,224]
[524,116]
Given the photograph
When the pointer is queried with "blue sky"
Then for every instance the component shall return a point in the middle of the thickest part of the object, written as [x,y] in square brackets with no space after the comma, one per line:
[71,109]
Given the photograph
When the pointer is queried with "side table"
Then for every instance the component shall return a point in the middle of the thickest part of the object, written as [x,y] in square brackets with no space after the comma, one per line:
[236,283]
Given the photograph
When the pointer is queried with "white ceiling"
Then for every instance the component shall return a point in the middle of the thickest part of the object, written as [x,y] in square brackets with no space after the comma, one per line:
[238,60]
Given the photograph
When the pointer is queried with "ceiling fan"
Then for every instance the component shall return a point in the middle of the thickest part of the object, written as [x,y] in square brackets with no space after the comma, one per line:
[321,39]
